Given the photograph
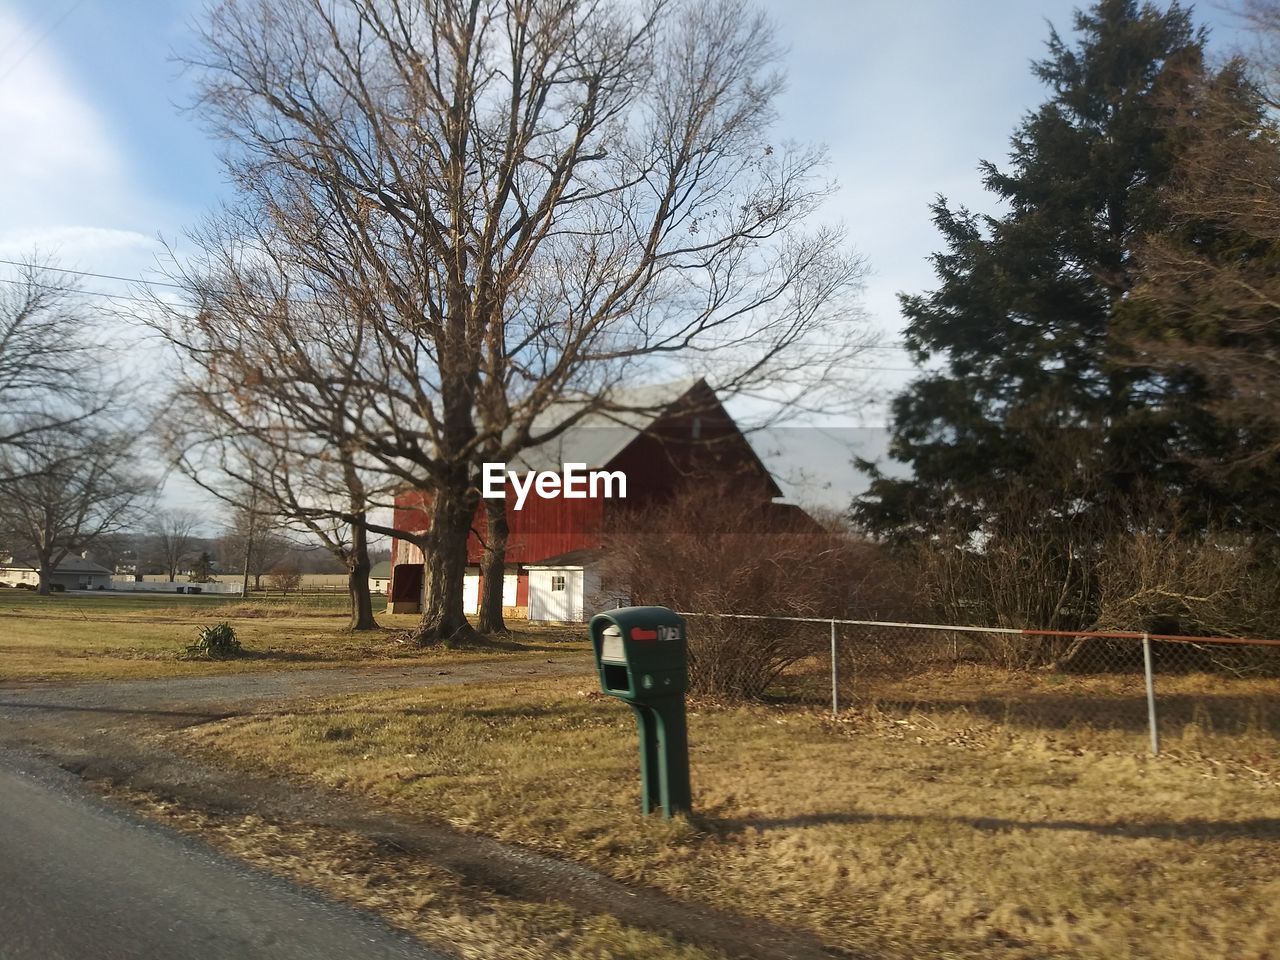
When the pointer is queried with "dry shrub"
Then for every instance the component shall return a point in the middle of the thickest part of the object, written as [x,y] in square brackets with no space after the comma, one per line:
[1142,570]
[1209,586]
[1030,566]
[285,577]
[705,552]
[1203,586]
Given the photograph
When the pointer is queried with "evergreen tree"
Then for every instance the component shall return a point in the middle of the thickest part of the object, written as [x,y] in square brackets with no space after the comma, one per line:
[1039,397]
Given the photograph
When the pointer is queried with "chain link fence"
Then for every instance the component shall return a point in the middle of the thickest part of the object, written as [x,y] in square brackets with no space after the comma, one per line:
[1128,690]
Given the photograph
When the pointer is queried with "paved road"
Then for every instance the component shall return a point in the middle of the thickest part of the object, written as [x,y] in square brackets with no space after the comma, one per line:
[81,881]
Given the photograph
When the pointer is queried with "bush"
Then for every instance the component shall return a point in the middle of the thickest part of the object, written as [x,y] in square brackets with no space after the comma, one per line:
[707,552]
[286,577]
[216,642]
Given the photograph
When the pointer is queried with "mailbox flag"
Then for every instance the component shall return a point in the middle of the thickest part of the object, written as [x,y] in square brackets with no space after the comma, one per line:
[641,633]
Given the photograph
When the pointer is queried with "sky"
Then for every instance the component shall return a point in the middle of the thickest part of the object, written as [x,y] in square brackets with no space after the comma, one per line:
[102,161]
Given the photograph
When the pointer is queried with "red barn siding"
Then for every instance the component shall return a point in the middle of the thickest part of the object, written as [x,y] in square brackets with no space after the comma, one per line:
[696,442]
[544,528]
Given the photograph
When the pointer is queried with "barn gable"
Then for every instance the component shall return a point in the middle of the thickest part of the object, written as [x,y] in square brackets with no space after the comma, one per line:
[663,438]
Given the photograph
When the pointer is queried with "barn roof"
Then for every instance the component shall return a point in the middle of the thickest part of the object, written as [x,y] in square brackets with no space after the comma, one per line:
[600,435]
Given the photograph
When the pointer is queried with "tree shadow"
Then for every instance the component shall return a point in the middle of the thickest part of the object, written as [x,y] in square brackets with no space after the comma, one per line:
[1218,713]
[1196,828]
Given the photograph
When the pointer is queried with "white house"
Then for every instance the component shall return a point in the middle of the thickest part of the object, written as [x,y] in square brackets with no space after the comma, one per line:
[380,577]
[73,573]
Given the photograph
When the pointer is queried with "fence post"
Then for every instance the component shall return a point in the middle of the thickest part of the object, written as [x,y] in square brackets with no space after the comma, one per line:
[1151,695]
[835,675]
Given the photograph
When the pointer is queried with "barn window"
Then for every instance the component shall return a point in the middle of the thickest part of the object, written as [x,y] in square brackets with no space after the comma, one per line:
[557,581]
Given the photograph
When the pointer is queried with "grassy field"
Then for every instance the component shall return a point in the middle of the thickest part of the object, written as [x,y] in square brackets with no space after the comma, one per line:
[965,814]
[310,581]
[77,637]
[887,834]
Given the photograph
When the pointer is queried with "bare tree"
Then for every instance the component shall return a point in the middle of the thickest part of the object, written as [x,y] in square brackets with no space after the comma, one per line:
[252,540]
[493,567]
[64,488]
[174,532]
[1210,280]
[250,456]
[285,576]
[498,205]
[52,373]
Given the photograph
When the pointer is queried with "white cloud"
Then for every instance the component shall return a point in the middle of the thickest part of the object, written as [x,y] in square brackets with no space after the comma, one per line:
[65,185]
[102,248]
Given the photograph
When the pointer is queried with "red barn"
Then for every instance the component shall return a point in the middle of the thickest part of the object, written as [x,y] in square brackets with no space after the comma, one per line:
[685,436]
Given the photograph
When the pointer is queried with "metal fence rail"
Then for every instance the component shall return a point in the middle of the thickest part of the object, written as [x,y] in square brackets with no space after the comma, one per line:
[1034,677]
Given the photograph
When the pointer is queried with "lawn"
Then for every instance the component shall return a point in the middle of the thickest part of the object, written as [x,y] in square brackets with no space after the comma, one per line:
[887,834]
[83,637]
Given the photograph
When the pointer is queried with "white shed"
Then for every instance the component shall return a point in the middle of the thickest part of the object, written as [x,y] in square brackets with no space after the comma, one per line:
[565,589]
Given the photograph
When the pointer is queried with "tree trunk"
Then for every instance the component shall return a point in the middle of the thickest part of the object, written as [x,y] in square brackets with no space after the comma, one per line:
[248,561]
[46,571]
[358,580]
[493,567]
[445,567]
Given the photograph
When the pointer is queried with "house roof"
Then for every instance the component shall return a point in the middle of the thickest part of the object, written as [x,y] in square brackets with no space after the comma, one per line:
[68,565]
[600,436]
[574,558]
[380,570]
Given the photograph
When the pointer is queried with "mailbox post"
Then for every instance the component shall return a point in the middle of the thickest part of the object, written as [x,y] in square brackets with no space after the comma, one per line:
[642,656]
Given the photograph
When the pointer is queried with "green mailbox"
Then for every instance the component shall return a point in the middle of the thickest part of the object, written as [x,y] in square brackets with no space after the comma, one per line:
[642,656]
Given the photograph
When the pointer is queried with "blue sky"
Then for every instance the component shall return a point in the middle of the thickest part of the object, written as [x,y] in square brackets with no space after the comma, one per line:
[99,159]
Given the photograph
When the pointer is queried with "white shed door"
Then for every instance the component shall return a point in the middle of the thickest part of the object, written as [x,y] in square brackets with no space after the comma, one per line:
[555,595]
[471,592]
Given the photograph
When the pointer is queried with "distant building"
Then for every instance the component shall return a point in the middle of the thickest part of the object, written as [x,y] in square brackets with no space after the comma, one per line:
[380,577]
[73,573]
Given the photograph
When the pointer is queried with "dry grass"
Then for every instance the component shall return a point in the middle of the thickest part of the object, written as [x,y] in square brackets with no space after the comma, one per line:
[112,637]
[893,834]
[1201,711]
